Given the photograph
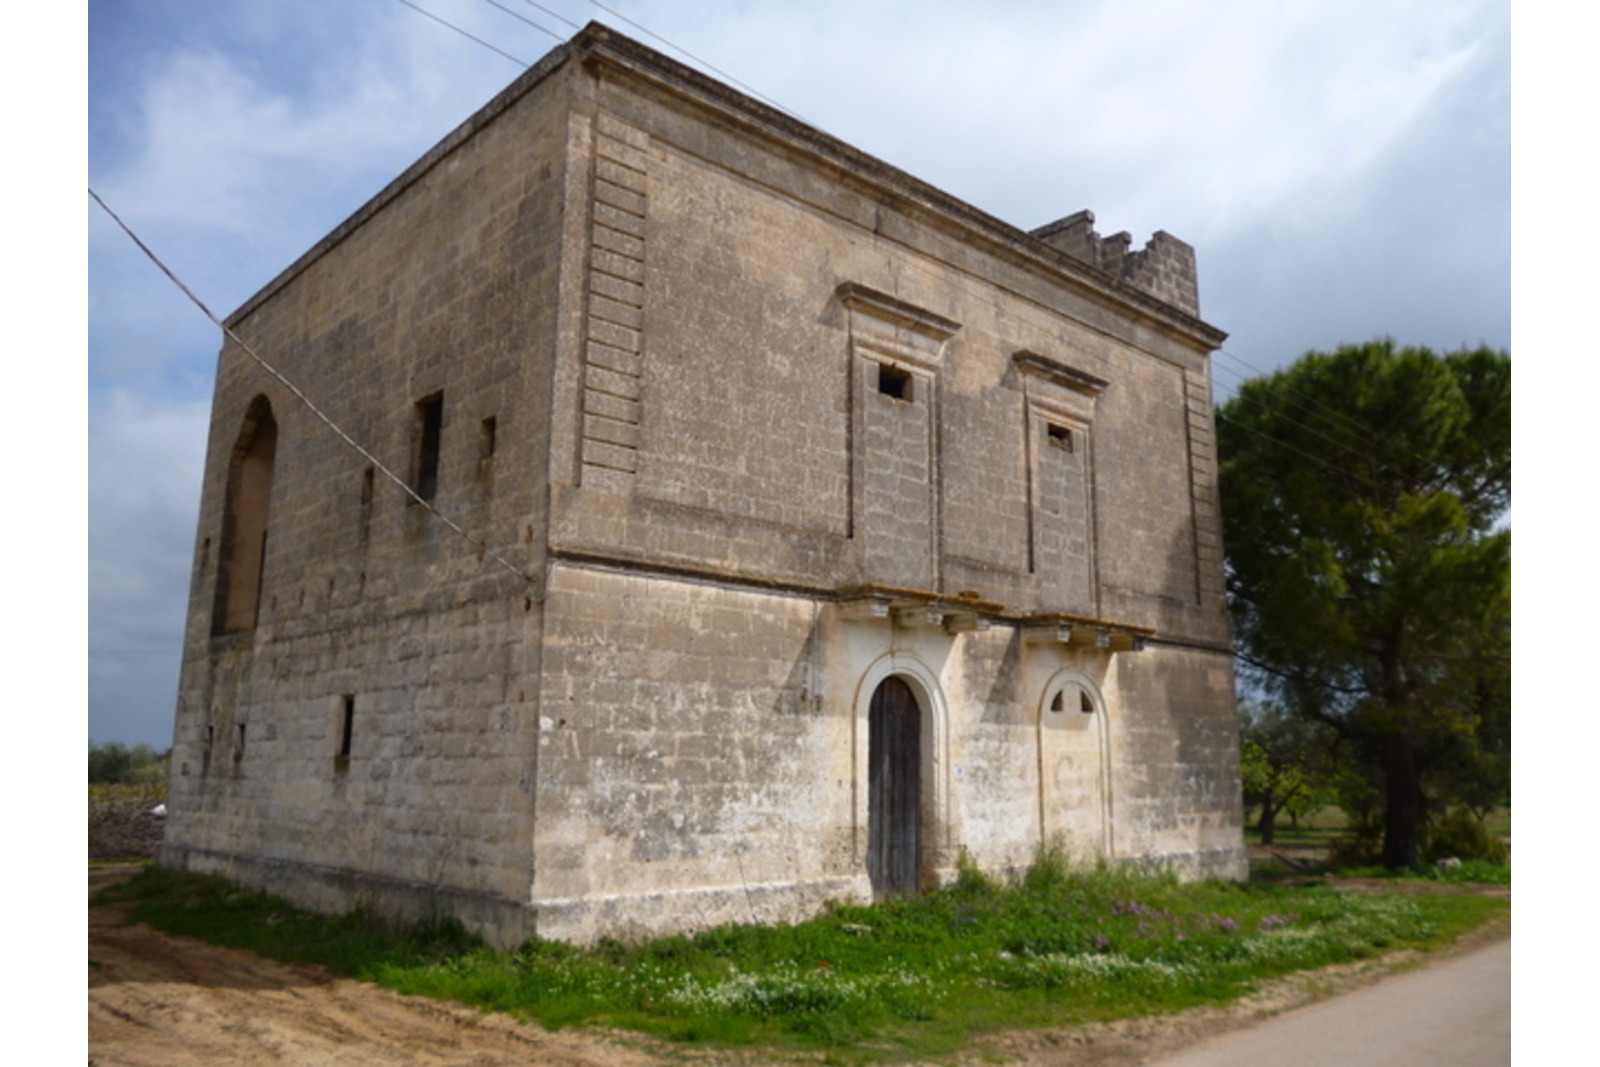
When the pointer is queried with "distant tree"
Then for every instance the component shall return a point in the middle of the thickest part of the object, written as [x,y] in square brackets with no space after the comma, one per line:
[1287,765]
[114,763]
[1369,574]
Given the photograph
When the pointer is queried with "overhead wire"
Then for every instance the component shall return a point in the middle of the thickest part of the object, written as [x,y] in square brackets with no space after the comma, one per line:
[1312,408]
[1311,405]
[1333,419]
[525,19]
[758,94]
[553,14]
[302,397]
[469,36]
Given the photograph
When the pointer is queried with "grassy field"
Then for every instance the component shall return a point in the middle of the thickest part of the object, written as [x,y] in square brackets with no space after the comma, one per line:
[909,977]
[1311,846]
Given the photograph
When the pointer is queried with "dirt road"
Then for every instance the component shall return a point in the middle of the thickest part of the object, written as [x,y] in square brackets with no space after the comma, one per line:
[160,1001]
[1454,1014]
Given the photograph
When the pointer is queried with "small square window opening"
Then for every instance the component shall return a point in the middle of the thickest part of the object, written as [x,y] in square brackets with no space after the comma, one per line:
[894,382]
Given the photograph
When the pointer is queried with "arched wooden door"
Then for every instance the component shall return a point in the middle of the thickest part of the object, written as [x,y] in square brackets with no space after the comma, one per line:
[894,788]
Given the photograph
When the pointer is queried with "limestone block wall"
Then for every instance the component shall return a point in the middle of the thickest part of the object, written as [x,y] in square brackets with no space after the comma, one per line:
[788,431]
[690,772]
[365,734]
[729,412]
[1175,754]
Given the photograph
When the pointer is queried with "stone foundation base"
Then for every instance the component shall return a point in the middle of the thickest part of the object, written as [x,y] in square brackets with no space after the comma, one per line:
[500,921]
[506,923]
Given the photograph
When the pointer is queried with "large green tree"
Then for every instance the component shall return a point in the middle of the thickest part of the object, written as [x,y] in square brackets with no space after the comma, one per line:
[1365,494]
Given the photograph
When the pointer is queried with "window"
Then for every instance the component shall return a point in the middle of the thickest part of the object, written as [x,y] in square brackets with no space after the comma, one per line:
[430,428]
[486,432]
[894,382]
[366,504]
[347,728]
[1059,436]
[1073,702]
[242,550]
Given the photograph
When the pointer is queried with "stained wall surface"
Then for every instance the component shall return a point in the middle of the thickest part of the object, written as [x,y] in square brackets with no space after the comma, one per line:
[762,423]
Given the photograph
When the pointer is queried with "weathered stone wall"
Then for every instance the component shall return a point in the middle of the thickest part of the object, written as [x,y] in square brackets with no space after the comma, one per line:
[688,770]
[1175,761]
[766,446]
[774,466]
[762,423]
[368,601]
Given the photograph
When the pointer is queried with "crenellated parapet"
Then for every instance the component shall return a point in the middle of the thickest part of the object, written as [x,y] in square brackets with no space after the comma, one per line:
[1164,268]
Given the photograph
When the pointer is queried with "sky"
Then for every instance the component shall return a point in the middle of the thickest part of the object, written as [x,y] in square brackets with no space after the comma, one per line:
[1342,167]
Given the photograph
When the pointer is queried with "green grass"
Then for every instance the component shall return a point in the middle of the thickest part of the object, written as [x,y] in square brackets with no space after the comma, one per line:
[909,977]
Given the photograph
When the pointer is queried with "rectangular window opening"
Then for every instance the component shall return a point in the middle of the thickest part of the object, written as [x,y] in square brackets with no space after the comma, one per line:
[894,382]
[1059,436]
[238,750]
[486,432]
[430,426]
[365,531]
[347,729]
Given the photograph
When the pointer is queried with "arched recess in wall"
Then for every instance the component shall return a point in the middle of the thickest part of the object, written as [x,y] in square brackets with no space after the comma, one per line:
[1075,800]
[892,672]
[243,545]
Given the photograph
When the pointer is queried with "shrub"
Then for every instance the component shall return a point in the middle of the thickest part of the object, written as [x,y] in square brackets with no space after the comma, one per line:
[1459,834]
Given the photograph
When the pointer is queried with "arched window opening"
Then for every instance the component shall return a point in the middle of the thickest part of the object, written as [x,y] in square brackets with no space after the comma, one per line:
[1071,701]
[1075,782]
[242,554]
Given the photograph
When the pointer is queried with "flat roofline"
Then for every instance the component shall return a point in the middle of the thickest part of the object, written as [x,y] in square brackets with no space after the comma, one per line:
[597,43]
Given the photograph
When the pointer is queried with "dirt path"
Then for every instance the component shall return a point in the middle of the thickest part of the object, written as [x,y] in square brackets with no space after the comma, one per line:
[160,1001]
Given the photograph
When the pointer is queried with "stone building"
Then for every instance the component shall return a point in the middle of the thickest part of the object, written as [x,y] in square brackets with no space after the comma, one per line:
[783,528]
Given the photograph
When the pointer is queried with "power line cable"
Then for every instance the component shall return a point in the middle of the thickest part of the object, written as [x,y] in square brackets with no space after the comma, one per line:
[1307,403]
[469,36]
[553,14]
[303,398]
[1310,406]
[525,19]
[715,70]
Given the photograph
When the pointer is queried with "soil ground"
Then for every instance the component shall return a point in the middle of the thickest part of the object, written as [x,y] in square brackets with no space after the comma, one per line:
[160,1001]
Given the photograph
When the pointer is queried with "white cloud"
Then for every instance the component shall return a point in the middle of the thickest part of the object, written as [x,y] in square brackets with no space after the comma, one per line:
[1339,166]
[145,458]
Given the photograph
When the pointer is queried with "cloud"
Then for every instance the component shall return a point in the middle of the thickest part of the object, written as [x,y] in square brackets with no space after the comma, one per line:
[1340,167]
[144,494]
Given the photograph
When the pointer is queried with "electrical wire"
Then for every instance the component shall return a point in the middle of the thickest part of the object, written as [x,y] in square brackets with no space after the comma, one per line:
[301,396]
[553,14]
[1333,419]
[471,37]
[525,19]
[715,70]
